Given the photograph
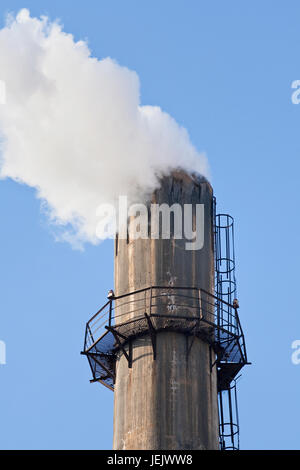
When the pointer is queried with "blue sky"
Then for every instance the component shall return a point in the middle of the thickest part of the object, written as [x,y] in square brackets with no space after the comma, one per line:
[224,71]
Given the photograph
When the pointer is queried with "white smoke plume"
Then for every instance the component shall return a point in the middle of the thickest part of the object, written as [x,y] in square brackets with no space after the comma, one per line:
[73,127]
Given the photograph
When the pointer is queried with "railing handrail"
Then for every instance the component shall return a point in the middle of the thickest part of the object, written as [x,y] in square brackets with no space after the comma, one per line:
[150,288]
[230,324]
[117,297]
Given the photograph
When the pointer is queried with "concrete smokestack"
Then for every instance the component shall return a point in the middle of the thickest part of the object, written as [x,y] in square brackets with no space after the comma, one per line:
[170,401]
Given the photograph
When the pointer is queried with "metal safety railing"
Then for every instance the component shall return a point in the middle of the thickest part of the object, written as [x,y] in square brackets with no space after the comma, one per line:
[229,427]
[189,310]
[226,290]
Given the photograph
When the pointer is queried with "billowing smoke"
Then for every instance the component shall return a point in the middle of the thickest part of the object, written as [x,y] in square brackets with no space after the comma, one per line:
[73,127]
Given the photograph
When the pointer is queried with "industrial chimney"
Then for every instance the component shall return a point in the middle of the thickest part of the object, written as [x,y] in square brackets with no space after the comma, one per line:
[171,345]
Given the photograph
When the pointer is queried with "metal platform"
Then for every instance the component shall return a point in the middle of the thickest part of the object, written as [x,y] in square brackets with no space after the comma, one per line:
[187,310]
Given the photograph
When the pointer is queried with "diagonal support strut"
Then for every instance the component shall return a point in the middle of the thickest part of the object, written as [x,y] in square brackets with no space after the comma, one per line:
[121,346]
[152,332]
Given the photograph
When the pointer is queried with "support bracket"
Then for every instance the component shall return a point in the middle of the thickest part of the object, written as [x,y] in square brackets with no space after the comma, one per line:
[95,356]
[121,346]
[152,332]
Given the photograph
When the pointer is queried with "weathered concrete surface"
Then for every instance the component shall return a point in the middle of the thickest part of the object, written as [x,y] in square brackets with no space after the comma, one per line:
[170,403]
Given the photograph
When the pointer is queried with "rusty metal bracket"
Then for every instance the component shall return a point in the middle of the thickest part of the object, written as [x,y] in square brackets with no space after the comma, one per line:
[190,346]
[95,357]
[152,332]
[102,382]
[193,338]
[121,346]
